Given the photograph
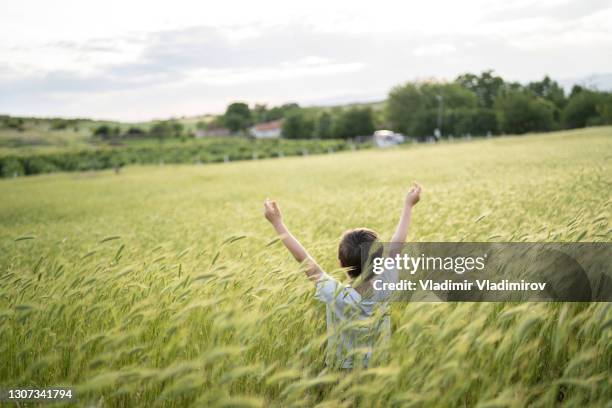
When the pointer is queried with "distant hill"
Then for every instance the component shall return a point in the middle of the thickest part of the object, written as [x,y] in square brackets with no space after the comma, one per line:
[41,133]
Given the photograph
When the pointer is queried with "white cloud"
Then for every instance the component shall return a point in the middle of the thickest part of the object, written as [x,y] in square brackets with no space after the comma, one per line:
[284,71]
[196,55]
[434,50]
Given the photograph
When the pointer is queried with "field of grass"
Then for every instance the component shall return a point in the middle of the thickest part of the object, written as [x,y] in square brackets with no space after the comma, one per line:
[164,286]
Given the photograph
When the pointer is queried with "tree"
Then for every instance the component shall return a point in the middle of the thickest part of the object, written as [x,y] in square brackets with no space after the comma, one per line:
[549,90]
[521,112]
[403,104]
[177,128]
[237,117]
[13,123]
[486,87]
[604,108]
[413,108]
[166,129]
[134,131]
[106,132]
[323,126]
[454,96]
[581,108]
[478,122]
[59,124]
[354,122]
[297,125]
[235,123]
[259,113]
[484,121]
[576,89]
[278,112]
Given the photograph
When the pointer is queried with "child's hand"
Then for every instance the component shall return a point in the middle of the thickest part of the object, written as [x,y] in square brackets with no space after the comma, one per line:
[414,195]
[272,212]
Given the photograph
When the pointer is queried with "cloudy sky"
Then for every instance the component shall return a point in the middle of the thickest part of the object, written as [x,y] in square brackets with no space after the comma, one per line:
[137,60]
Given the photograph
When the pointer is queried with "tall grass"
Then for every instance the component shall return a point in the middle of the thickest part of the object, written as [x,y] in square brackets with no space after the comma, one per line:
[165,287]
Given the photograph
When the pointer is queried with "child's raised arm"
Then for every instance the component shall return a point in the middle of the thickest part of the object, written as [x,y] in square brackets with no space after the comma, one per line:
[401,231]
[273,214]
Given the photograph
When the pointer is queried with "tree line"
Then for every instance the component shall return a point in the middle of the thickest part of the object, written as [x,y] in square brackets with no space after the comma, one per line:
[159,130]
[299,122]
[486,103]
[472,104]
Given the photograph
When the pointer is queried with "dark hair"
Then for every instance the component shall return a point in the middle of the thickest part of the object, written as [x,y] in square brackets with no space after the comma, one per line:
[350,249]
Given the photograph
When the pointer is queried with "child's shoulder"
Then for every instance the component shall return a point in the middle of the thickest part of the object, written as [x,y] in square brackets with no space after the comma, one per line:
[329,289]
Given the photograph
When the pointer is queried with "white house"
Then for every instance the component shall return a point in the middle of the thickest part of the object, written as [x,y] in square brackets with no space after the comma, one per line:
[386,138]
[267,130]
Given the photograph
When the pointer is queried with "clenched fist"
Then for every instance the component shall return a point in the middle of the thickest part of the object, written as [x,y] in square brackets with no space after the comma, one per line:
[414,195]
[272,212]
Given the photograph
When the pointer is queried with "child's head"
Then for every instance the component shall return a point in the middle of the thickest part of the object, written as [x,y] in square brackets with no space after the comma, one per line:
[351,245]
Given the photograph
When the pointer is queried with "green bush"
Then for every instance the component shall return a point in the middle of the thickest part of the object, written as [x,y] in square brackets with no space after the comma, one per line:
[581,109]
[211,151]
[38,165]
[59,124]
[13,123]
[11,166]
[458,122]
[521,112]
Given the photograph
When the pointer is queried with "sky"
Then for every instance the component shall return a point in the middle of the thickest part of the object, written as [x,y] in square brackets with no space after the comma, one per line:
[138,60]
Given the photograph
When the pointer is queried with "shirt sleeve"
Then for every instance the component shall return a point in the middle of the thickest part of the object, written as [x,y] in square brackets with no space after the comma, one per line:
[388,276]
[326,288]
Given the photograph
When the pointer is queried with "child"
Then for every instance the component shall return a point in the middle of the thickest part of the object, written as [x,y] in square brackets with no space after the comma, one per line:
[346,306]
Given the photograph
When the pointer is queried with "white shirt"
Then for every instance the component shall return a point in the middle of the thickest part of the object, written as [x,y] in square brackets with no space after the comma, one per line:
[352,326]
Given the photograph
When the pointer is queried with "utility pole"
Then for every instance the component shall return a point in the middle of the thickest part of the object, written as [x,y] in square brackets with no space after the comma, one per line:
[438,131]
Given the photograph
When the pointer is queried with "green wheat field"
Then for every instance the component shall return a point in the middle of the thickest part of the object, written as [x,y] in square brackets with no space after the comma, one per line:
[164,286]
